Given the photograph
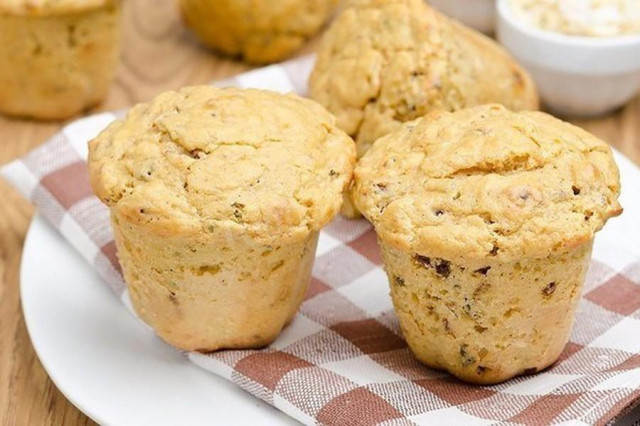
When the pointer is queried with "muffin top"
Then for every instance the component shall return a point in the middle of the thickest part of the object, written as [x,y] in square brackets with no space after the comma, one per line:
[487,182]
[206,160]
[49,7]
[384,62]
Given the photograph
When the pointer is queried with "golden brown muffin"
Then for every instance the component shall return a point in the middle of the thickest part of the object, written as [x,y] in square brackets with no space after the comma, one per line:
[217,197]
[486,219]
[384,62]
[259,31]
[59,57]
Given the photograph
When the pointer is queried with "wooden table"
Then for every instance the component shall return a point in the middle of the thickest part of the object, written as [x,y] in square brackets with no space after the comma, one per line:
[154,35]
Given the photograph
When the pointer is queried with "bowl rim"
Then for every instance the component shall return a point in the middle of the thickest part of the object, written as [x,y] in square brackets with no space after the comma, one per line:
[505,12]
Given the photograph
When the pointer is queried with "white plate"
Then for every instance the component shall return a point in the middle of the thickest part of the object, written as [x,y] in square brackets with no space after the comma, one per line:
[118,373]
[107,363]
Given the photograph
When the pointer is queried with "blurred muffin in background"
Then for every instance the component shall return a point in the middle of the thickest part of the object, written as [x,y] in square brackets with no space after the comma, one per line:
[58,57]
[384,62]
[259,31]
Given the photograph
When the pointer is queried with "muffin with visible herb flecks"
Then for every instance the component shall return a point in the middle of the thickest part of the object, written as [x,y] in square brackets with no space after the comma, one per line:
[486,220]
[382,63]
[217,197]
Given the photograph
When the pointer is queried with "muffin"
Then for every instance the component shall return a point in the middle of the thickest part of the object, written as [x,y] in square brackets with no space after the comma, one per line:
[385,62]
[486,220]
[216,198]
[59,57]
[259,31]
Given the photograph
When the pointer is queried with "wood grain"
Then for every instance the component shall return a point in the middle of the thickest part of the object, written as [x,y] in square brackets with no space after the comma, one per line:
[159,54]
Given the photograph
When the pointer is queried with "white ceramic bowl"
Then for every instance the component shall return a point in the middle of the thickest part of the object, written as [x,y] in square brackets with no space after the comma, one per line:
[478,14]
[576,76]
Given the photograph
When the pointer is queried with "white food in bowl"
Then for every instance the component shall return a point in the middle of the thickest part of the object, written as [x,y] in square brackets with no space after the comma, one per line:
[576,75]
[478,14]
[597,18]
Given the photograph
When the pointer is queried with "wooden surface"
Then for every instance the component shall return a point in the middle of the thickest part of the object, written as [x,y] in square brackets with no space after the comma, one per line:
[158,55]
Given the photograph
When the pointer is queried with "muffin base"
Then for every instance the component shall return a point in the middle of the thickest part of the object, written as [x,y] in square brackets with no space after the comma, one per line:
[215,292]
[57,66]
[486,322]
[348,208]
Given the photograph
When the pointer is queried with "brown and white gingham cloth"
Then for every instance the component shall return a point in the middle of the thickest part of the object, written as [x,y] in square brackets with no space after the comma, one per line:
[343,361]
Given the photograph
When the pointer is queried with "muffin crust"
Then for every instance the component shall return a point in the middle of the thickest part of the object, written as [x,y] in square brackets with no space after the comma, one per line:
[217,197]
[486,181]
[486,220]
[204,158]
[385,62]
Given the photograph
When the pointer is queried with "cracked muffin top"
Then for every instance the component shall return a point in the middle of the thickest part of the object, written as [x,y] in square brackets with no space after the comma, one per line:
[204,159]
[385,62]
[487,182]
[50,7]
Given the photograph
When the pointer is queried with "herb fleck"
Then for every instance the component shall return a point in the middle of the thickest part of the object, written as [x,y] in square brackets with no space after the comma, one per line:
[421,260]
[173,298]
[467,358]
[237,213]
[443,268]
[549,289]
[399,281]
[380,186]
[482,271]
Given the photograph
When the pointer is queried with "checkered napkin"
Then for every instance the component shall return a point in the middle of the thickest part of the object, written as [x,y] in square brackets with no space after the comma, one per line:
[343,361]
